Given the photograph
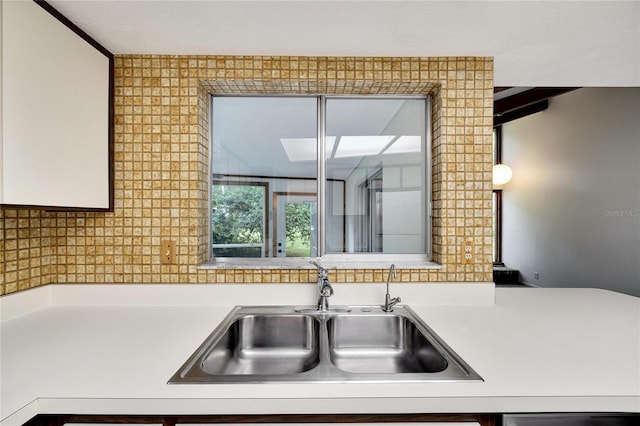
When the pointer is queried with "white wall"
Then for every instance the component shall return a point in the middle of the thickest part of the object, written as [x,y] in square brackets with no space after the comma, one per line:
[572,209]
[1,104]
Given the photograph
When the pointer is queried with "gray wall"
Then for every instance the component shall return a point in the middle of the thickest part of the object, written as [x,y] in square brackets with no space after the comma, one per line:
[572,208]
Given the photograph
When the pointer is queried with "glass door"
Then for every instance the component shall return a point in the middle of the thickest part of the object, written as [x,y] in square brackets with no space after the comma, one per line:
[295,222]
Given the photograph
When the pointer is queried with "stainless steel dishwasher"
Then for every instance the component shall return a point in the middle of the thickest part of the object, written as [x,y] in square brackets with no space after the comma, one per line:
[571,419]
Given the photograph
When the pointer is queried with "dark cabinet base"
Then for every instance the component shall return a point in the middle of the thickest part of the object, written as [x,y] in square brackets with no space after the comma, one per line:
[60,420]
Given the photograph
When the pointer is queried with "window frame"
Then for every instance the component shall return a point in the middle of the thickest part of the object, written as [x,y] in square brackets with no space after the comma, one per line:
[353,259]
[497,193]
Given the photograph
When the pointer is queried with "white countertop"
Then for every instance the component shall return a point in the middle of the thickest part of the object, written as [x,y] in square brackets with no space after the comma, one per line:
[110,349]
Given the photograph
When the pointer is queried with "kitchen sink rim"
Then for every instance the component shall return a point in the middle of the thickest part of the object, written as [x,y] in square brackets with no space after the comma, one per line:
[325,371]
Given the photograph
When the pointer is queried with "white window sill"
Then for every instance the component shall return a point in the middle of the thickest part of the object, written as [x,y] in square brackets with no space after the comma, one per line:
[330,262]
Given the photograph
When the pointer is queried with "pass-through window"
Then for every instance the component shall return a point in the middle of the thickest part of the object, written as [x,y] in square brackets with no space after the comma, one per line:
[314,176]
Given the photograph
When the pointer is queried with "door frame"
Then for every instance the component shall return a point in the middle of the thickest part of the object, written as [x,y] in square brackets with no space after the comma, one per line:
[277,194]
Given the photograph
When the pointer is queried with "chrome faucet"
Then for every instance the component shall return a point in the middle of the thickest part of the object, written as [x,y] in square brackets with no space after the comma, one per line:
[389,303]
[324,287]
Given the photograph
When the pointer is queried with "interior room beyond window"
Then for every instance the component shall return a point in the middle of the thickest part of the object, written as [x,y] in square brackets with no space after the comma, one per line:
[274,196]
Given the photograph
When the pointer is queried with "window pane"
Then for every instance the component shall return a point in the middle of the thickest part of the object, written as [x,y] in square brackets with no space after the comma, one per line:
[494,205]
[494,147]
[376,174]
[269,141]
[497,228]
[238,220]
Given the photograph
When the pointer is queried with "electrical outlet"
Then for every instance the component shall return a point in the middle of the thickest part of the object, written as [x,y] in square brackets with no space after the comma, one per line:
[467,252]
[168,252]
[536,275]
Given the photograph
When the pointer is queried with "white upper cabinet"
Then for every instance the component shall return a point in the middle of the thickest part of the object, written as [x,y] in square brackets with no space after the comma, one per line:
[56,112]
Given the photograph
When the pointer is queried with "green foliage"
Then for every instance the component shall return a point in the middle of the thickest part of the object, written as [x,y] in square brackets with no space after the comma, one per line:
[237,214]
[299,222]
[297,248]
[238,218]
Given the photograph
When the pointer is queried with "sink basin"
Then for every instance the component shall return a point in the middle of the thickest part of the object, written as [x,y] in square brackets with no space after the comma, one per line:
[259,344]
[265,344]
[381,344]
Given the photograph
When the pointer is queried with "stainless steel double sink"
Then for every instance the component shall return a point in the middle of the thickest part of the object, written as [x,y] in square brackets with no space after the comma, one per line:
[259,344]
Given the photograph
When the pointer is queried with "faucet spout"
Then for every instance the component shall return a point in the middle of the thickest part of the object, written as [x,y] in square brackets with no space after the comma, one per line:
[325,290]
[389,302]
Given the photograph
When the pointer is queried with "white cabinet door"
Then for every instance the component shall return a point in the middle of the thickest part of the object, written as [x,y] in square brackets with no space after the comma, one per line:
[54,147]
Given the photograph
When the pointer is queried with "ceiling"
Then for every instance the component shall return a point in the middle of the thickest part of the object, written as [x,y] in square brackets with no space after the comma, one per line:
[269,136]
[276,136]
[536,43]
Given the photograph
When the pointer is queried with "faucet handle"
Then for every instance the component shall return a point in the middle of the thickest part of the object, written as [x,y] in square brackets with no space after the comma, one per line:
[322,272]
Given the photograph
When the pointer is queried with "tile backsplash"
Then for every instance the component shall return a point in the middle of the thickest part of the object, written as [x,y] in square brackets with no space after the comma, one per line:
[161,157]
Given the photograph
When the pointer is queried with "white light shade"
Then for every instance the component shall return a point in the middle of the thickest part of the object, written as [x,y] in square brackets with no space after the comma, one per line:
[501,174]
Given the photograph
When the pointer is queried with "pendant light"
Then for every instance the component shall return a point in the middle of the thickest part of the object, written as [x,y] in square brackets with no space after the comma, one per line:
[501,174]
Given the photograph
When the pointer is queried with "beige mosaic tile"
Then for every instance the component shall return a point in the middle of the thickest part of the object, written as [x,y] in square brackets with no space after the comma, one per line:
[161,153]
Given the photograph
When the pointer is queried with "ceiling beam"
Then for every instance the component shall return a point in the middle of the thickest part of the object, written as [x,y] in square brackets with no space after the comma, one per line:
[520,112]
[526,98]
